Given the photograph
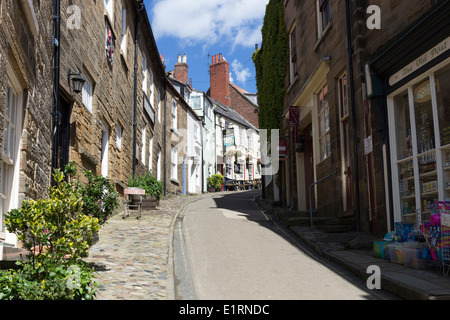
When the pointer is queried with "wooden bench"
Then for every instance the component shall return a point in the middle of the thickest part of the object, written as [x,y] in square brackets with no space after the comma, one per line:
[138,206]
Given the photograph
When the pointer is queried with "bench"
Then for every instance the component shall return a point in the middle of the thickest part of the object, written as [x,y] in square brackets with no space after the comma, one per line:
[136,206]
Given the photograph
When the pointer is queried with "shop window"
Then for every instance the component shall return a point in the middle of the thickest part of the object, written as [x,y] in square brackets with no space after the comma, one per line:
[419,124]
[324,124]
[442,83]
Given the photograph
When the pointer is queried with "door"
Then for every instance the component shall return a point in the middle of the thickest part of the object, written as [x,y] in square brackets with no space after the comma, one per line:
[309,164]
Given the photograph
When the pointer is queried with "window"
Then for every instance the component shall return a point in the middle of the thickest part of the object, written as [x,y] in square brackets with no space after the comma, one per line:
[144,133]
[123,37]
[174,115]
[174,163]
[87,95]
[105,150]
[150,151]
[109,43]
[324,124]
[293,55]
[159,106]
[241,136]
[345,142]
[323,15]
[250,140]
[152,91]
[109,7]
[9,151]
[119,137]
[158,166]
[144,74]
[420,144]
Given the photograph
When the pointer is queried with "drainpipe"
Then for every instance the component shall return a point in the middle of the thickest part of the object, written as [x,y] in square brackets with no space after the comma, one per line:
[136,39]
[354,122]
[56,112]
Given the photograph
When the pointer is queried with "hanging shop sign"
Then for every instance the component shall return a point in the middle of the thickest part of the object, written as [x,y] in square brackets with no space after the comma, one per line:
[228,138]
[294,116]
[421,61]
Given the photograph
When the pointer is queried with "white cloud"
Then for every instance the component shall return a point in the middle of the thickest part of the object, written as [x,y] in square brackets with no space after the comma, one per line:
[242,74]
[235,21]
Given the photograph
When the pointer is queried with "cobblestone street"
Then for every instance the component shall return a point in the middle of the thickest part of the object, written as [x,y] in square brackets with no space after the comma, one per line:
[132,256]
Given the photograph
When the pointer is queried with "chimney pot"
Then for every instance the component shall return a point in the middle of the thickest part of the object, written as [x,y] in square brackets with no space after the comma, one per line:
[220,57]
[185,58]
[179,58]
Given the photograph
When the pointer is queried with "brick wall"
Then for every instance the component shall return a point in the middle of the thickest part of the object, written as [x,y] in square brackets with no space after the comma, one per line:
[241,105]
[219,80]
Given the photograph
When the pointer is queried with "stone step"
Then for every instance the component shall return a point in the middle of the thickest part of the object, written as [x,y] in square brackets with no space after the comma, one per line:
[304,221]
[336,228]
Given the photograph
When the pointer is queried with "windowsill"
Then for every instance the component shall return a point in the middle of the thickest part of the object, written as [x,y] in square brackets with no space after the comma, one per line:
[322,35]
[124,59]
[174,181]
[175,131]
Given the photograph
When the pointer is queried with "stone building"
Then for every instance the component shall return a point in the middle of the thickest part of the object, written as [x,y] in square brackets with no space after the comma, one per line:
[347,104]
[26,58]
[101,118]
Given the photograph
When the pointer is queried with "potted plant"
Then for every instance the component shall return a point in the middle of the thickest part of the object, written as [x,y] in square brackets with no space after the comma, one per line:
[153,190]
[215,182]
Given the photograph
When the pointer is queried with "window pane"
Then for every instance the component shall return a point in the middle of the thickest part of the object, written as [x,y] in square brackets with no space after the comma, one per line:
[424,117]
[403,125]
[407,187]
[443,104]
[446,162]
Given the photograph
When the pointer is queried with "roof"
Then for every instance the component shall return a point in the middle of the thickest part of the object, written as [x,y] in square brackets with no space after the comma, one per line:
[229,113]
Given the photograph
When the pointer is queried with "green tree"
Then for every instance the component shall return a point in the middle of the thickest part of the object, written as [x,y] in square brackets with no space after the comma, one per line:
[271,66]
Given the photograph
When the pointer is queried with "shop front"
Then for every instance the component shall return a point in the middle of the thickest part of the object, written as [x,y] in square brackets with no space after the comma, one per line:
[419,127]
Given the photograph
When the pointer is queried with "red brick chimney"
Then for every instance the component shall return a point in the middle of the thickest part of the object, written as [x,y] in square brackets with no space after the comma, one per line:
[181,69]
[219,80]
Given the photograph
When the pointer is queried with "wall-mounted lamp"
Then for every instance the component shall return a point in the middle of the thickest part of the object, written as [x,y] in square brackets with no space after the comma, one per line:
[77,81]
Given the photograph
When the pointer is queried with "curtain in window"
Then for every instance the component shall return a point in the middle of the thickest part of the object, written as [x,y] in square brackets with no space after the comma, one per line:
[109,44]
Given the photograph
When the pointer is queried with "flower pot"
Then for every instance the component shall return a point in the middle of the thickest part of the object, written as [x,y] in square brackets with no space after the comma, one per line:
[211,189]
[149,202]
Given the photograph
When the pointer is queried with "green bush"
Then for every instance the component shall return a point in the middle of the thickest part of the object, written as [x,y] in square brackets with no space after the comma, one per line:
[216,181]
[149,184]
[99,197]
[57,234]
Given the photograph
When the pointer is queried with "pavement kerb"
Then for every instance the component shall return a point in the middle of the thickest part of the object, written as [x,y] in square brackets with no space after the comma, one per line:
[171,265]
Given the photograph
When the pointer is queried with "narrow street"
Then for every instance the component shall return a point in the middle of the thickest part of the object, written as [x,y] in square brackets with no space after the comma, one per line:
[226,248]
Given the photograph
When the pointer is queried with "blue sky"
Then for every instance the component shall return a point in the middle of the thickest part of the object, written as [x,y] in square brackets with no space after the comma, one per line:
[202,28]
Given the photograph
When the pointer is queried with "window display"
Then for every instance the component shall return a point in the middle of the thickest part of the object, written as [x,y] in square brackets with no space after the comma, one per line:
[420,120]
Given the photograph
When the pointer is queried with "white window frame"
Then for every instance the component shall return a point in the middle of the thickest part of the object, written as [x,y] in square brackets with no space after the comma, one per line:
[109,7]
[10,159]
[174,163]
[395,161]
[123,37]
[119,134]
[159,105]
[144,134]
[150,151]
[174,115]
[87,95]
[158,165]
[144,74]
[320,17]
[323,136]
[105,150]
[293,67]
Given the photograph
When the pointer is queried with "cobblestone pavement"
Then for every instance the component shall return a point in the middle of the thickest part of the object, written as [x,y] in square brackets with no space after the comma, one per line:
[132,256]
